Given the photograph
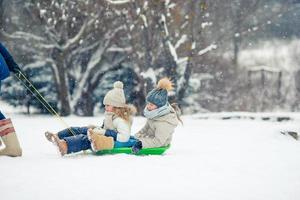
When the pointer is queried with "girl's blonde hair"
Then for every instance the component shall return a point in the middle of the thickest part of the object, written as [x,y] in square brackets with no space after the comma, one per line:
[125,112]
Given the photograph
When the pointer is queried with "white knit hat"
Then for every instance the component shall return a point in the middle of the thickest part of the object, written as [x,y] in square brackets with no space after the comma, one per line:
[116,96]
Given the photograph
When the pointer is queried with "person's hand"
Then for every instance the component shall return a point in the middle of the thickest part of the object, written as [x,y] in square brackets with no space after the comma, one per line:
[16,69]
[99,130]
[137,147]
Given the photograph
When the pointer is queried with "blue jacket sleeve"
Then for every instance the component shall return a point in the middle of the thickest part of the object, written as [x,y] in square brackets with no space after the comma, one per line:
[12,65]
[4,71]
[111,133]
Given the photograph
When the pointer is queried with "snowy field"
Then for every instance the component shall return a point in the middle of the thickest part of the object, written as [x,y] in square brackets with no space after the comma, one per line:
[209,159]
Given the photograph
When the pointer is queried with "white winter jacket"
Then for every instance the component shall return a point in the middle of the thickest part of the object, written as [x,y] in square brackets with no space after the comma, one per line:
[121,126]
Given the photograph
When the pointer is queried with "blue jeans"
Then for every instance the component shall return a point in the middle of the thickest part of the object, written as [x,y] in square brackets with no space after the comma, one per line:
[77,142]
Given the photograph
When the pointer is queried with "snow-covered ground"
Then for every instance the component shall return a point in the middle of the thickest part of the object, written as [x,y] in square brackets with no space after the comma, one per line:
[209,159]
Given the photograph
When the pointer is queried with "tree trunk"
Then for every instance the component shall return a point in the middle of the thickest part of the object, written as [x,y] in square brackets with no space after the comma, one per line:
[86,105]
[62,86]
[237,37]
[188,70]
[184,86]
[63,95]
[148,58]
[237,40]
[140,95]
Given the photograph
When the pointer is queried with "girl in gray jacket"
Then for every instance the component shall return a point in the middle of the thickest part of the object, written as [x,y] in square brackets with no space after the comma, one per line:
[162,118]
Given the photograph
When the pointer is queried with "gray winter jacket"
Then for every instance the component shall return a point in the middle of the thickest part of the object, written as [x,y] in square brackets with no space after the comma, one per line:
[158,131]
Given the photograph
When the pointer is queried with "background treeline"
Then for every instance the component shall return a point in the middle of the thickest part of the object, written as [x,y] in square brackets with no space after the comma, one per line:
[222,55]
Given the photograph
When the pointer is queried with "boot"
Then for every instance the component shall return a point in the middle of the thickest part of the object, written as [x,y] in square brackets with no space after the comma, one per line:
[61,144]
[100,142]
[10,145]
[49,136]
[2,145]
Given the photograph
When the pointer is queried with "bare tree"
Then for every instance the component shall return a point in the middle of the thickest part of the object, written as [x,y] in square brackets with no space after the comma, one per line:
[78,41]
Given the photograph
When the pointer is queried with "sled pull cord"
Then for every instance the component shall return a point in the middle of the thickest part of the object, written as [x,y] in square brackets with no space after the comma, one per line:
[40,98]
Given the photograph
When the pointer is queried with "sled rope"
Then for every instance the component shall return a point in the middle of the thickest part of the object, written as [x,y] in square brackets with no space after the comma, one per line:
[23,79]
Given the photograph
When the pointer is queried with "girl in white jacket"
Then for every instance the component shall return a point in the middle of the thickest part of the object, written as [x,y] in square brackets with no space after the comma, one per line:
[116,127]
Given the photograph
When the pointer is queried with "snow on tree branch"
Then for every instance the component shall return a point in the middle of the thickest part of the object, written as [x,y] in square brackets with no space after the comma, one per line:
[163,19]
[150,73]
[77,37]
[35,64]
[23,35]
[182,40]
[42,43]
[117,1]
[144,20]
[119,49]
[172,50]
[207,49]
[84,49]
[48,46]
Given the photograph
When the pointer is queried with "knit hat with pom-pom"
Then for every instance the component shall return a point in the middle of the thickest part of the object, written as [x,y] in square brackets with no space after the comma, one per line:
[116,96]
[159,95]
